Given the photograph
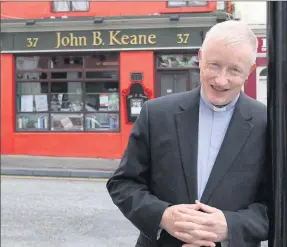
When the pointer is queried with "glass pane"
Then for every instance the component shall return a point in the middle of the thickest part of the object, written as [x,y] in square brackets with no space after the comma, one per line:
[177,61]
[32,122]
[177,3]
[31,62]
[31,76]
[80,5]
[32,103]
[66,96]
[66,62]
[102,102]
[197,3]
[66,75]
[102,61]
[32,88]
[66,122]
[102,75]
[102,122]
[99,87]
[61,6]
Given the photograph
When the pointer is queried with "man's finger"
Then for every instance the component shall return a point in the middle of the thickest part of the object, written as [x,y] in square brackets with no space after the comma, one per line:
[206,208]
[187,226]
[199,243]
[191,212]
[187,238]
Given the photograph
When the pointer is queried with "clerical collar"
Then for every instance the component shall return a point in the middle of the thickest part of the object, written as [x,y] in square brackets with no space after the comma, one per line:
[215,108]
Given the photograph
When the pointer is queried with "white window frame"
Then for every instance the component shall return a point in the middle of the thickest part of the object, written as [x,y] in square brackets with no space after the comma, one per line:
[71,6]
[197,3]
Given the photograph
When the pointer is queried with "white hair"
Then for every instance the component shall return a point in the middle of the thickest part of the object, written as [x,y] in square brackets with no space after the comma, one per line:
[232,32]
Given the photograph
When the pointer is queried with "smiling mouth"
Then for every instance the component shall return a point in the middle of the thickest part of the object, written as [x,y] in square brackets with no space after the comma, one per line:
[218,89]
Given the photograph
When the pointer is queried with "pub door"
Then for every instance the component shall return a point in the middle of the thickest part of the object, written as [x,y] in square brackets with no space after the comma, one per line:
[169,82]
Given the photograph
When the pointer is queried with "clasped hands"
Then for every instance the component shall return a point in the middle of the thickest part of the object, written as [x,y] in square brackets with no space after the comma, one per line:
[195,224]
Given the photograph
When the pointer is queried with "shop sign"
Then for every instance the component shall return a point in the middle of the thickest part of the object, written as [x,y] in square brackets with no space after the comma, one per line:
[129,39]
[262,45]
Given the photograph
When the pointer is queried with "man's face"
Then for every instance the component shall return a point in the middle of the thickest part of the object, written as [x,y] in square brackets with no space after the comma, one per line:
[224,68]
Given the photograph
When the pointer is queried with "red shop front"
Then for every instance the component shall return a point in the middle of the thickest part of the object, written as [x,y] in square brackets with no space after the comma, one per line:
[76,93]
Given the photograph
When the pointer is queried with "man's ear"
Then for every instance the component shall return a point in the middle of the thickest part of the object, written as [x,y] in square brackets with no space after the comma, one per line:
[253,67]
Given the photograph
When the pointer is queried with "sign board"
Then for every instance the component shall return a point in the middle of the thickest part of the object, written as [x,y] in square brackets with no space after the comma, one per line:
[262,45]
[124,39]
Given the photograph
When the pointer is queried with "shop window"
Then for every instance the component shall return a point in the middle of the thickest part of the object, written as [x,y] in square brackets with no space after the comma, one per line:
[177,61]
[70,5]
[64,99]
[186,3]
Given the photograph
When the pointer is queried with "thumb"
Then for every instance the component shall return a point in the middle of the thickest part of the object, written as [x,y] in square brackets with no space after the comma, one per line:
[206,208]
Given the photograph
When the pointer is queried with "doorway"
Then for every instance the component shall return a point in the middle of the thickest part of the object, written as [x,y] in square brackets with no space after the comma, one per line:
[176,81]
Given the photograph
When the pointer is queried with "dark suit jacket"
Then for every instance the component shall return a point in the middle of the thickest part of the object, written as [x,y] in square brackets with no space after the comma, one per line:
[159,166]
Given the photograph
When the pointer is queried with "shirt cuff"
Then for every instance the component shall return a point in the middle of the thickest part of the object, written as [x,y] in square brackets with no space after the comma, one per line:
[158,234]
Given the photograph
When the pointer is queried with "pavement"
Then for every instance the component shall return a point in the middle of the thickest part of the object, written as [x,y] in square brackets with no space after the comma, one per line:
[22,165]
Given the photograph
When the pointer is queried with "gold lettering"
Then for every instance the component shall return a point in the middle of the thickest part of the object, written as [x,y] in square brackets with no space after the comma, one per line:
[183,38]
[113,37]
[141,39]
[32,42]
[65,41]
[152,39]
[125,40]
[97,38]
[70,40]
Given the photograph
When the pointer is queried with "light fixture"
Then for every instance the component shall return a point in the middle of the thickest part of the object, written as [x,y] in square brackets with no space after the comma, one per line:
[174,18]
[30,22]
[98,20]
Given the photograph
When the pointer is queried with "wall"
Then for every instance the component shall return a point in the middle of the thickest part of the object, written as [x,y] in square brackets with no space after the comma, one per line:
[39,9]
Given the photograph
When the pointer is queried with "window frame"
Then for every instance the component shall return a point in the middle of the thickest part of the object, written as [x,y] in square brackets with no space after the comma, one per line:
[70,7]
[83,94]
[186,5]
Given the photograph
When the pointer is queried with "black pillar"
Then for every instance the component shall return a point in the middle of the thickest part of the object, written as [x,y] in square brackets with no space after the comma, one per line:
[277,119]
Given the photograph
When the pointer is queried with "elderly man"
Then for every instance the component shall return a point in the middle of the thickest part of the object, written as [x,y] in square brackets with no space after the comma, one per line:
[194,169]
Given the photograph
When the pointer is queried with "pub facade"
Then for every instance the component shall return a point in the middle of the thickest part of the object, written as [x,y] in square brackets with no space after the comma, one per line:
[74,86]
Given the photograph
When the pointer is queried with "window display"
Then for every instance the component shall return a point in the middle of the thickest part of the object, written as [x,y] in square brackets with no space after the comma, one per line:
[65,100]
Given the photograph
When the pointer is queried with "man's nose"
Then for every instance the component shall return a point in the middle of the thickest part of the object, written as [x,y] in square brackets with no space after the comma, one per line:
[222,78]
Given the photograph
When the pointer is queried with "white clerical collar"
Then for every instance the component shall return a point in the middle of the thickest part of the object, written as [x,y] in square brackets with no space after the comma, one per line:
[215,108]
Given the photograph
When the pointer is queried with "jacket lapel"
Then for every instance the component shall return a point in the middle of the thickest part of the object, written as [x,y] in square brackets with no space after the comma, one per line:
[236,136]
[187,133]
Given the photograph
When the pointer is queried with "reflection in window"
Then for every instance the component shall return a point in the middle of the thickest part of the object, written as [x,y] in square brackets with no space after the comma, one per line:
[31,63]
[66,62]
[102,61]
[66,97]
[66,75]
[70,5]
[32,96]
[64,122]
[187,3]
[102,75]
[102,122]
[27,76]
[32,122]
[177,61]
[102,102]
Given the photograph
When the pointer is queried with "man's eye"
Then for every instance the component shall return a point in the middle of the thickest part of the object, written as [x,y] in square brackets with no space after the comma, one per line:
[236,70]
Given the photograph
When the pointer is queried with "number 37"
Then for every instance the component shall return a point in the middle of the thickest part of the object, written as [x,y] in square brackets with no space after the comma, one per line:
[32,42]
[182,38]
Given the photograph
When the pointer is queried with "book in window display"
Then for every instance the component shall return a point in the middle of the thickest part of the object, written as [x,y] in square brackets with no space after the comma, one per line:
[32,122]
[113,104]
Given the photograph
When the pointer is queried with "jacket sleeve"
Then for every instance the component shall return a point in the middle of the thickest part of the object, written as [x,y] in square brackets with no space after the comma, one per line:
[251,224]
[129,186]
